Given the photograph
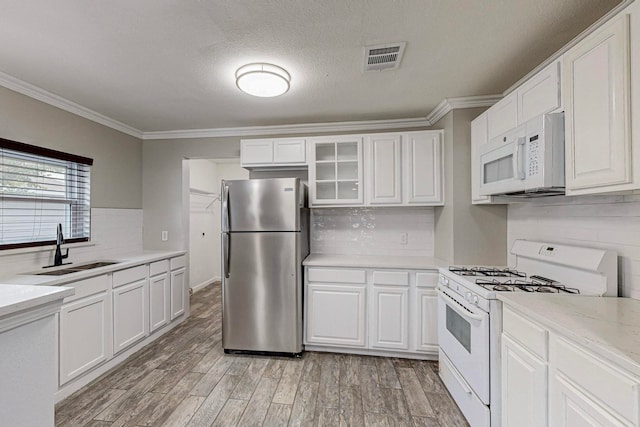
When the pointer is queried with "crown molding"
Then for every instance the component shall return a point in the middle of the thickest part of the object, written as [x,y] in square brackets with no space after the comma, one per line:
[436,114]
[355,126]
[40,94]
[449,104]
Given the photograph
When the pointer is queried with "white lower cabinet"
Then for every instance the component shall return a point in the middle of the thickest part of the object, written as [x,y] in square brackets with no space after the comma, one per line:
[390,317]
[371,310]
[426,320]
[159,301]
[574,388]
[524,386]
[84,335]
[130,314]
[177,292]
[336,315]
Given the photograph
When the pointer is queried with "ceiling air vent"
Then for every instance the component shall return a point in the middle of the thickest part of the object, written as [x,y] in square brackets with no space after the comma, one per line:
[383,56]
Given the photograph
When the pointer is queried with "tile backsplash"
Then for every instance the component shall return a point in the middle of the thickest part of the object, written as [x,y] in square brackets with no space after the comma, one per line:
[114,233]
[610,222]
[373,231]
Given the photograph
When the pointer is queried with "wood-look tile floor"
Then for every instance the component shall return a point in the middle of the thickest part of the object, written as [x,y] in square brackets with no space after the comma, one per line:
[185,379]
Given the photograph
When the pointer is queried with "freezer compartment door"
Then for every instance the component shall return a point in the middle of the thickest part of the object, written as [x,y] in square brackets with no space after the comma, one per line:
[262,293]
[261,205]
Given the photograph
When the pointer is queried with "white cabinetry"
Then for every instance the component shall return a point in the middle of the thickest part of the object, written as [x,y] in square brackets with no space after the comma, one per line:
[596,87]
[383,169]
[548,379]
[423,168]
[178,287]
[366,311]
[335,171]
[503,116]
[336,314]
[85,335]
[130,314]
[426,320]
[159,301]
[285,152]
[524,386]
[540,94]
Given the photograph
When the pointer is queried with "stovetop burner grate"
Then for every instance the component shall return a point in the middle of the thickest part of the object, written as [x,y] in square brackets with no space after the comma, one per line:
[486,272]
[536,284]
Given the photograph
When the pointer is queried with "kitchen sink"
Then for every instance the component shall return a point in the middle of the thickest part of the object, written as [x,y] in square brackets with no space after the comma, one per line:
[77,268]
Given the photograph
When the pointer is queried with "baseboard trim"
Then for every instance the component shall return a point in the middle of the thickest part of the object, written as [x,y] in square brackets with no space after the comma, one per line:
[201,286]
[371,352]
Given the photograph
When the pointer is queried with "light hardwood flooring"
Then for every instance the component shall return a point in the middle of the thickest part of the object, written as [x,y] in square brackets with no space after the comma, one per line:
[185,379]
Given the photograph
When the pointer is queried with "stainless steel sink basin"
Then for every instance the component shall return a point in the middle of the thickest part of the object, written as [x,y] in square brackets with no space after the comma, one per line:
[77,268]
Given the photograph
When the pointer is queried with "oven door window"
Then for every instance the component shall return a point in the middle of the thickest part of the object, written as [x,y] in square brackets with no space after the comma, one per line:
[459,328]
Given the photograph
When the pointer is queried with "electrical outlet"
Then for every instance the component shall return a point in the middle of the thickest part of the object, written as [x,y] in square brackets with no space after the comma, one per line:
[165,235]
[404,238]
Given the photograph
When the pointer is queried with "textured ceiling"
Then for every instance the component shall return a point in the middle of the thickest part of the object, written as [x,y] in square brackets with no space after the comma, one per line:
[169,64]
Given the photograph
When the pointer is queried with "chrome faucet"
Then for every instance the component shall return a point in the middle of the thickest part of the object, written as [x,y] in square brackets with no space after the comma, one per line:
[58,257]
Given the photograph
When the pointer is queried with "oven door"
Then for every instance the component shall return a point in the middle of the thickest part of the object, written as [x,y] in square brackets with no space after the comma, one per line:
[502,164]
[463,335]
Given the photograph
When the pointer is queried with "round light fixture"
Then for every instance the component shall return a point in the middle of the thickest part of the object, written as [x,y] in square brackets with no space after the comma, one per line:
[263,80]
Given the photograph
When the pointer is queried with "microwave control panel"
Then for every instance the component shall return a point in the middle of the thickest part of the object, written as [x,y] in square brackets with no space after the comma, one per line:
[533,150]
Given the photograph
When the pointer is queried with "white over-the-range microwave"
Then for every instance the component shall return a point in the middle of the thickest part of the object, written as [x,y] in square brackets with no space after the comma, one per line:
[527,161]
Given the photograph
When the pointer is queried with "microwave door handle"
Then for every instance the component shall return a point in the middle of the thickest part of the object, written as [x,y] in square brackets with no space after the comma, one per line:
[518,161]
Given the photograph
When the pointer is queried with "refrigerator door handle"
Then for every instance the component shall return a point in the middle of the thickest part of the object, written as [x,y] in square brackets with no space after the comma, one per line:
[227,254]
[225,208]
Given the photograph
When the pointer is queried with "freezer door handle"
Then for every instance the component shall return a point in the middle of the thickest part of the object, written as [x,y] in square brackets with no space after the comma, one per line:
[227,254]
[225,207]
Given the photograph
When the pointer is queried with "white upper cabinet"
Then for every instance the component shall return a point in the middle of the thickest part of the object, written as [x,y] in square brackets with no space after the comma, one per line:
[285,152]
[335,171]
[503,116]
[478,139]
[383,172]
[540,94]
[423,168]
[596,87]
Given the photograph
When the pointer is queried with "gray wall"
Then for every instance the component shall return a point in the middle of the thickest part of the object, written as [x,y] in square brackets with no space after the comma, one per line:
[466,233]
[116,176]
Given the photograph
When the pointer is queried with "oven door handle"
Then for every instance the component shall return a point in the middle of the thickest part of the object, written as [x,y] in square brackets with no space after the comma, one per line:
[455,305]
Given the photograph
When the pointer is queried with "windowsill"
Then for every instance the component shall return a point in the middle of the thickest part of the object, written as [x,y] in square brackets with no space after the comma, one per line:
[49,248]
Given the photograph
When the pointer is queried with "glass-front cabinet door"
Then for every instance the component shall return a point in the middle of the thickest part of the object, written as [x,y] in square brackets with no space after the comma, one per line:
[335,171]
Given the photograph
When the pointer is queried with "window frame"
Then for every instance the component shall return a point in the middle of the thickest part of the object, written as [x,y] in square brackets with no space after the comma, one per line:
[20,147]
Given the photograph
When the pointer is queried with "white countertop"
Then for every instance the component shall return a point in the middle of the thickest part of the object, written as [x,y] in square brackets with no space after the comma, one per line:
[374,261]
[30,278]
[607,326]
[17,298]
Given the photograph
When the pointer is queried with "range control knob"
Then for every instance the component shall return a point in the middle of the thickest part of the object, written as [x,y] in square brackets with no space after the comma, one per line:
[476,300]
[444,281]
[467,296]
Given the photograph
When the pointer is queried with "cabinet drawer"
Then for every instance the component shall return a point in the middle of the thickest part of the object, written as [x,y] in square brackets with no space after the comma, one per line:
[129,275]
[158,267]
[399,278]
[610,386]
[178,262]
[427,279]
[330,275]
[87,287]
[532,336]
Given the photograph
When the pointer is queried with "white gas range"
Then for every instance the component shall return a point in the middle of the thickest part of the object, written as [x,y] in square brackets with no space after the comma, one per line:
[470,316]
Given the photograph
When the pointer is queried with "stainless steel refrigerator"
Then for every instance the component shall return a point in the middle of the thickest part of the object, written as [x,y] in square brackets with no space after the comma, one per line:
[265,238]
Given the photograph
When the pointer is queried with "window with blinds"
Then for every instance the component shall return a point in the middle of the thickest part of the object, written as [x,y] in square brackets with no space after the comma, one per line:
[39,189]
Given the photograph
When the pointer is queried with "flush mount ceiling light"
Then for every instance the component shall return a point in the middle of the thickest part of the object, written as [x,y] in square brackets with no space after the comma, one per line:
[263,80]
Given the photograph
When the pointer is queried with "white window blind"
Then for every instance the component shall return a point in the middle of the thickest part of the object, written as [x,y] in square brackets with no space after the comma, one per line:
[39,189]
